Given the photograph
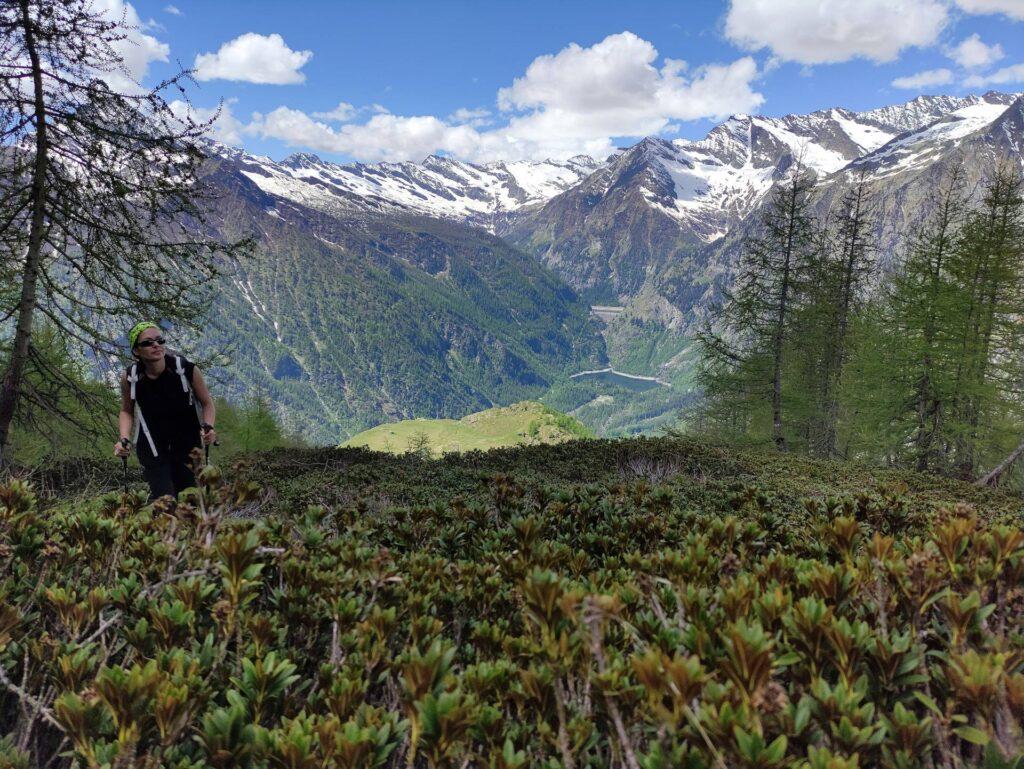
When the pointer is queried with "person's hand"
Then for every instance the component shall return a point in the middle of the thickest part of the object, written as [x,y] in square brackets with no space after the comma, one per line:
[209,435]
[122,448]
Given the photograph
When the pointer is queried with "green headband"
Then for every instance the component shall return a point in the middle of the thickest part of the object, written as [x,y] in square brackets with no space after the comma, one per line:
[138,328]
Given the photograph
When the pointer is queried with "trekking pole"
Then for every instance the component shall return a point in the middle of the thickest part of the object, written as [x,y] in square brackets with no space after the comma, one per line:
[206,447]
[124,464]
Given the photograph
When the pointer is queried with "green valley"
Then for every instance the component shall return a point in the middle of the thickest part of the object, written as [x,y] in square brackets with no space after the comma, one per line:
[526,423]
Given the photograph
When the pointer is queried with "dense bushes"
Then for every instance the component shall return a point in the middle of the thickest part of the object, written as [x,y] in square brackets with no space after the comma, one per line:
[695,621]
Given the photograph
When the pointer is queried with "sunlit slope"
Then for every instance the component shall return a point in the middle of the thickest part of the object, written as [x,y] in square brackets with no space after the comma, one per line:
[526,423]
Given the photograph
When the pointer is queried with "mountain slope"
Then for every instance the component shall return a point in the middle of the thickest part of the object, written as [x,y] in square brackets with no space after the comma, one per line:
[521,424]
[439,187]
[346,322]
[379,302]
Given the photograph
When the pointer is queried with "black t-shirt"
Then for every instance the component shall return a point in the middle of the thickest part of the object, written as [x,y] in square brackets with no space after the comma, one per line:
[171,419]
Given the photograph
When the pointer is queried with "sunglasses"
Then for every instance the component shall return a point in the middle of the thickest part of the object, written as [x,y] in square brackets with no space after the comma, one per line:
[150,342]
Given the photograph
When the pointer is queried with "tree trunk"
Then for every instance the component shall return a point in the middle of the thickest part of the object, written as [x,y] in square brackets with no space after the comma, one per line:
[11,387]
[777,435]
[992,479]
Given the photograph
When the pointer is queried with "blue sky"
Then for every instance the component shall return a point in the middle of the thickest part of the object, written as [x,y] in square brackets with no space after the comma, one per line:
[528,79]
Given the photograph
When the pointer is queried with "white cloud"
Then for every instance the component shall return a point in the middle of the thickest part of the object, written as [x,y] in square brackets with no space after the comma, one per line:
[173,10]
[972,53]
[137,49]
[225,128]
[254,58]
[614,88]
[578,100]
[1012,8]
[340,114]
[383,137]
[829,31]
[1011,74]
[474,117]
[926,79]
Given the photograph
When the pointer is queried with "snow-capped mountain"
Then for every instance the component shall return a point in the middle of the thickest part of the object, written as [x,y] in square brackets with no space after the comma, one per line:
[409,312]
[926,144]
[439,187]
[704,185]
[718,179]
[606,226]
[662,207]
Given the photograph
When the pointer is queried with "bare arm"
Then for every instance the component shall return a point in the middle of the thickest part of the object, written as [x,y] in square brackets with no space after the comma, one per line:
[124,418]
[206,401]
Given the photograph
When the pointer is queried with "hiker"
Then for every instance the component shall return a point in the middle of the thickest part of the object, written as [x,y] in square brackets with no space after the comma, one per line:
[162,394]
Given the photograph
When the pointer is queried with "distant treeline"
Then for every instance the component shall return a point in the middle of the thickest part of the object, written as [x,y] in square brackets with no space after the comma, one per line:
[816,349]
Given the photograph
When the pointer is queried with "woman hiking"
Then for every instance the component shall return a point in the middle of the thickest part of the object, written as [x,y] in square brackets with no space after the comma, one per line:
[159,393]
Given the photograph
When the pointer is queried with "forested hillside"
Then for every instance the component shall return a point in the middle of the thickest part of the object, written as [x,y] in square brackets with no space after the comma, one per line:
[345,322]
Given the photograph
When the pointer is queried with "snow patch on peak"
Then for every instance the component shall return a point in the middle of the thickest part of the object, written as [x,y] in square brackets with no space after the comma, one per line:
[920,147]
[440,186]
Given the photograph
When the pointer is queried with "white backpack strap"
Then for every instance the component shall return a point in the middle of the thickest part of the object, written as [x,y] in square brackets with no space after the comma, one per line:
[133,377]
[185,386]
[140,421]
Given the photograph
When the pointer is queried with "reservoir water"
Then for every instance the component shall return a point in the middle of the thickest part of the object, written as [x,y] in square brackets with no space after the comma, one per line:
[629,381]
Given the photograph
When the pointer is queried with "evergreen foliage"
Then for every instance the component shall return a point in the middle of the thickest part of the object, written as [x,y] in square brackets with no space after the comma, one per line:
[250,426]
[744,349]
[923,370]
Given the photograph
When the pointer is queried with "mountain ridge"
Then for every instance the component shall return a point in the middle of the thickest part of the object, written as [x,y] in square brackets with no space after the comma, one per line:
[446,187]
[654,229]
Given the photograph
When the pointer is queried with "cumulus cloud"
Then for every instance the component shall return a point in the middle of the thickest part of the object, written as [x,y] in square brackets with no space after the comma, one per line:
[829,31]
[343,112]
[225,127]
[575,101]
[383,137]
[616,87]
[927,79]
[473,117]
[254,58]
[587,96]
[1012,8]
[137,49]
[972,53]
[173,10]
[1012,74]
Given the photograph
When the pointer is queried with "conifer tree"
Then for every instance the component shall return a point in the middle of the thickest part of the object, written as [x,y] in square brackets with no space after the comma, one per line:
[987,268]
[920,308]
[744,344]
[845,266]
[101,207]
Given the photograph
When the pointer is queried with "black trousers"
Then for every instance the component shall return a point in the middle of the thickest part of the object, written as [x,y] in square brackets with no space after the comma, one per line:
[168,474]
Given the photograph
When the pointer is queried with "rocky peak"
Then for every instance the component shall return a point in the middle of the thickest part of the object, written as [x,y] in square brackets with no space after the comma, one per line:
[299,160]
[1007,131]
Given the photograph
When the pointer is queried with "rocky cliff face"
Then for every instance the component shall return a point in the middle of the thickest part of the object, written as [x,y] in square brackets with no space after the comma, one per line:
[663,215]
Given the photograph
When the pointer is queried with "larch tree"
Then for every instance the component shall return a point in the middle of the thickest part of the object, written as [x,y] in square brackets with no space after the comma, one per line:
[101,196]
[745,341]
[920,306]
[987,268]
[846,265]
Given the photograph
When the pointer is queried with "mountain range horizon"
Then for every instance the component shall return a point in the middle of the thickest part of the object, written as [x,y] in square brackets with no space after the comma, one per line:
[477,281]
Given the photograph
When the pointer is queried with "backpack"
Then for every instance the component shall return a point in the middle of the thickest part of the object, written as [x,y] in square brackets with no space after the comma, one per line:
[140,421]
